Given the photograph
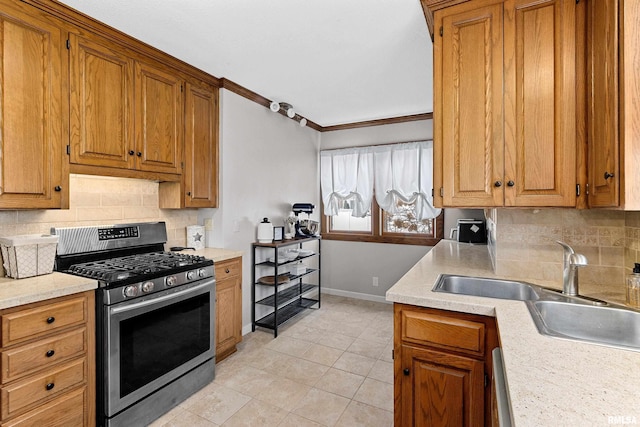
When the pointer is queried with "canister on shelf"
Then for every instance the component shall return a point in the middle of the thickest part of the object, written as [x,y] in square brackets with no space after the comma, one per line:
[265,231]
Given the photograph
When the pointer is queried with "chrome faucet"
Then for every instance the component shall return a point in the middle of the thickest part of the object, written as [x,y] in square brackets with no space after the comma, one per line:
[570,264]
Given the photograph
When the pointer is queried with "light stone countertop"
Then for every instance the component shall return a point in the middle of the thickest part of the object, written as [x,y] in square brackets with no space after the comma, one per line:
[216,254]
[15,292]
[551,382]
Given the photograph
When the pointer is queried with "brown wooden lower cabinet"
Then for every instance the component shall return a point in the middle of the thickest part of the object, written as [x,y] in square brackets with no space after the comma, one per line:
[228,306]
[442,367]
[48,363]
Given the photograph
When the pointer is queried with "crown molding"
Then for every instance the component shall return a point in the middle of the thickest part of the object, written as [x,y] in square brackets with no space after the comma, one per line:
[259,99]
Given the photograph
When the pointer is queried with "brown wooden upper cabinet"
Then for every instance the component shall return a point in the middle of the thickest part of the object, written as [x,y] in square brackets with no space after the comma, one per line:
[33,171]
[613,117]
[199,185]
[125,113]
[504,103]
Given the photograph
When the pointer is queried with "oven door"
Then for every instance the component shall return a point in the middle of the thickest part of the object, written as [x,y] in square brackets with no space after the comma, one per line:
[155,340]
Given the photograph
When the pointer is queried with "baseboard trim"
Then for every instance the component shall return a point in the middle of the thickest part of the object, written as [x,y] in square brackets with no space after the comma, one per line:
[246,329]
[355,295]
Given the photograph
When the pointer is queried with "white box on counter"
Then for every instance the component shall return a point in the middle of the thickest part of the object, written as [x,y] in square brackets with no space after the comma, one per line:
[28,255]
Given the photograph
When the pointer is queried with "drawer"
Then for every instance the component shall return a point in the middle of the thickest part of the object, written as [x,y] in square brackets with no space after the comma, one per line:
[42,319]
[228,268]
[42,354]
[443,331]
[36,389]
[66,410]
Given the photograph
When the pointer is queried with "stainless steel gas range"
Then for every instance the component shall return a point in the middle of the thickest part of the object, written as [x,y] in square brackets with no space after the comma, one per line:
[154,318]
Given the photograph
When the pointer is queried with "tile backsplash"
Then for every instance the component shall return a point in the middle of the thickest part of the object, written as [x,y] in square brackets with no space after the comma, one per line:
[97,200]
[522,245]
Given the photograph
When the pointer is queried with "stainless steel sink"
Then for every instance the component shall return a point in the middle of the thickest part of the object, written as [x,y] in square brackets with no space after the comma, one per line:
[484,287]
[615,326]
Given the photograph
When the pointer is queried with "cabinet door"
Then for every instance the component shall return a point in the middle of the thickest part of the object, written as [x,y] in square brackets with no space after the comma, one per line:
[602,115]
[201,147]
[159,110]
[33,110]
[468,57]
[101,104]
[539,97]
[440,389]
[228,316]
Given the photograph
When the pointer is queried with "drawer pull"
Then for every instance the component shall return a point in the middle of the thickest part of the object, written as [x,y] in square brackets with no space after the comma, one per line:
[50,386]
[51,319]
[226,270]
[406,371]
[50,353]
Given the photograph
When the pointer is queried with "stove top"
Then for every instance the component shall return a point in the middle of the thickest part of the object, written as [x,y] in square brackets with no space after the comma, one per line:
[128,269]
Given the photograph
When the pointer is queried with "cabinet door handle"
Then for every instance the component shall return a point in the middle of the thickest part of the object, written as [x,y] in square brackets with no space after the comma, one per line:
[131,152]
[226,270]
[51,319]
[50,386]
[57,188]
[50,353]
[188,193]
[497,184]
[139,154]
[511,183]
[608,175]
[406,371]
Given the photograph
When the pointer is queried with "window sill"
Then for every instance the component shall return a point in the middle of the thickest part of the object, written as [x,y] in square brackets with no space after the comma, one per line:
[365,238]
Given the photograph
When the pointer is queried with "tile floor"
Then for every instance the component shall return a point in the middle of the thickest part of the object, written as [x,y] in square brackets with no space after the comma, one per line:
[328,367]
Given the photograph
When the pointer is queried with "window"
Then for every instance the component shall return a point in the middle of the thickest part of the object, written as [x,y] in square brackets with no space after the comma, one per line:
[399,175]
[379,226]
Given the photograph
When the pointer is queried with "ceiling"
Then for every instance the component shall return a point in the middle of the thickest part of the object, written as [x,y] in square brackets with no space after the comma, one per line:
[335,61]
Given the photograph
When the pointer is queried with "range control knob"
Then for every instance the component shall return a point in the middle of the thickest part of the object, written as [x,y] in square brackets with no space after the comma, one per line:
[191,275]
[202,272]
[171,281]
[130,291]
[147,286]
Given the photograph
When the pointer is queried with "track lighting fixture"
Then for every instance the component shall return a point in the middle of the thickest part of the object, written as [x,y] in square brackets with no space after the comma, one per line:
[288,110]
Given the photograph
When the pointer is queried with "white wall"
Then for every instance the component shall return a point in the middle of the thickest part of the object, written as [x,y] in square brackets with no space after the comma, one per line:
[267,162]
[348,267]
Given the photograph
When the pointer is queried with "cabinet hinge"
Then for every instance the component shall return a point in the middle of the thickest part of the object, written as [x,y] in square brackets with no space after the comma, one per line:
[181,88]
[68,150]
[486,380]
[441,192]
[441,31]
[181,165]
[68,44]
[586,189]
[577,190]
[393,354]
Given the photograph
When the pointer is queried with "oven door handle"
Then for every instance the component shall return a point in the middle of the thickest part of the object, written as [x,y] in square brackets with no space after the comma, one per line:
[135,306]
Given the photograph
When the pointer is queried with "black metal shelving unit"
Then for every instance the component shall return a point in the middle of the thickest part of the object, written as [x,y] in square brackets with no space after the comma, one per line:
[290,296]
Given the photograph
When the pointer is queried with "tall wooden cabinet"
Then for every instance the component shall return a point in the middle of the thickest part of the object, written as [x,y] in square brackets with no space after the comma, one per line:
[33,109]
[442,367]
[504,131]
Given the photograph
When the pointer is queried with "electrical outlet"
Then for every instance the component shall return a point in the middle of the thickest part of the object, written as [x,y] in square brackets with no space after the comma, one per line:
[375,281]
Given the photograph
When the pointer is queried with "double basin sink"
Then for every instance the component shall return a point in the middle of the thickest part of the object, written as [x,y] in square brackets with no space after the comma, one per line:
[555,314]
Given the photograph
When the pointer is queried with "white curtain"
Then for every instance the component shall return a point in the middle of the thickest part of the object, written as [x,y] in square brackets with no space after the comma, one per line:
[405,172]
[347,174]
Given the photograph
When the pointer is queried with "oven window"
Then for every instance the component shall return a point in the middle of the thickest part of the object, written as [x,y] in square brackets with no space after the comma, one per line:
[159,341]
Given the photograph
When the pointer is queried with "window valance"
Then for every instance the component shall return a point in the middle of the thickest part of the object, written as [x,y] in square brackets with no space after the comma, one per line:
[397,172]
